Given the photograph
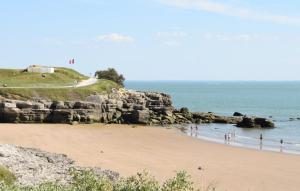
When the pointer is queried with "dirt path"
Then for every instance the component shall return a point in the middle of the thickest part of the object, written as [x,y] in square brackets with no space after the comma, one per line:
[87,82]
[83,83]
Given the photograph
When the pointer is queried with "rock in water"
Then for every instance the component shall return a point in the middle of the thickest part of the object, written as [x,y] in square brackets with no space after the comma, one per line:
[237,114]
[255,122]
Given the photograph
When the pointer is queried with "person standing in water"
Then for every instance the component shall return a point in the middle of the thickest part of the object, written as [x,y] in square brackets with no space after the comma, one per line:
[260,142]
[261,137]
[196,130]
[281,145]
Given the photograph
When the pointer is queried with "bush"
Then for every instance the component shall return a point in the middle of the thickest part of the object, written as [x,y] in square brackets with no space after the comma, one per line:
[110,74]
[140,182]
[180,182]
[6,176]
[88,181]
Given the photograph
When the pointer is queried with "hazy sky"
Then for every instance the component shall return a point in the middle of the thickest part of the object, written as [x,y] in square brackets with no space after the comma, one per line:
[156,39]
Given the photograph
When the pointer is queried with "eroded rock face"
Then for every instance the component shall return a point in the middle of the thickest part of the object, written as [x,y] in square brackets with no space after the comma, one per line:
[124,106]
[33,166]
[121,106]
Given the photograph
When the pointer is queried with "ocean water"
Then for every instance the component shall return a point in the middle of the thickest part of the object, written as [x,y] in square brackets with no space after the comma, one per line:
[277,100]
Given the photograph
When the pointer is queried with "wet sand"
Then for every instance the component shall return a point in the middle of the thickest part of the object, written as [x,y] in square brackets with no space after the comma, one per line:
[162,152]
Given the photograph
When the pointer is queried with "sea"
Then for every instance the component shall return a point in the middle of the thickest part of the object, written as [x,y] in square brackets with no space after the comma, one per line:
[276,100]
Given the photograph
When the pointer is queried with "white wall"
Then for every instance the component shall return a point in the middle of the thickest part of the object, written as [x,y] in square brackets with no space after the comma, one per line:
[40,69]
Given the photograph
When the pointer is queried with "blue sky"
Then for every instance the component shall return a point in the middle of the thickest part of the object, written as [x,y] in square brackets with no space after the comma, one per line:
[156,39]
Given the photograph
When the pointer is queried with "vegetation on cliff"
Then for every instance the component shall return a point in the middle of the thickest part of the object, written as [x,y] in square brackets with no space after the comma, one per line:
[111,74]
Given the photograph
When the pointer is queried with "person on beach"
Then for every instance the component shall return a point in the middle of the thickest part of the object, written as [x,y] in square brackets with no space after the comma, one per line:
[225,137]
[260,142]
[229,136]
[281,145]
[196,131]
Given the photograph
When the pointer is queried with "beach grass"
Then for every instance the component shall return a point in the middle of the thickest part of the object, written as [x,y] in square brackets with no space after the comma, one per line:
[61,94]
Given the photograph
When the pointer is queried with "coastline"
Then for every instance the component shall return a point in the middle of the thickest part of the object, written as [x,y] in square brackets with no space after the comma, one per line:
[240,138]
[161,151]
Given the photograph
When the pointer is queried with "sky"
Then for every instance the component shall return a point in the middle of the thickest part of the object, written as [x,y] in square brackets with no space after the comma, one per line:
[156,39]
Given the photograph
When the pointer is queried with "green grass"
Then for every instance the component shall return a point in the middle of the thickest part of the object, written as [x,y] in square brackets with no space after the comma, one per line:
[19,78]
[61,94]
[47,87]
[6,176]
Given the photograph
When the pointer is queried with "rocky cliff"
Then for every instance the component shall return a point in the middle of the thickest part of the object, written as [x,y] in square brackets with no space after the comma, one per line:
[120,106]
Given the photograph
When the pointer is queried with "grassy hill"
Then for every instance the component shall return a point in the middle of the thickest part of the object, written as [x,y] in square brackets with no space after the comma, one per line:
[35,86]
[61,77]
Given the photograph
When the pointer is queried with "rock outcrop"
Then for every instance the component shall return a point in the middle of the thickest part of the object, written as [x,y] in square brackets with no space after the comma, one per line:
[121,106]
[33,166]
[237,114]
[255,122]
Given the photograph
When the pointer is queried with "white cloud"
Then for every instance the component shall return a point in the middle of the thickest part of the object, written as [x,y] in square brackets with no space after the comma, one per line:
[232,10]
[174,34]
[115,37]
[240,37]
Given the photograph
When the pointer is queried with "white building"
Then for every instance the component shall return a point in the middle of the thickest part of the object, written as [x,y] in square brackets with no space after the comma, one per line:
[40,69]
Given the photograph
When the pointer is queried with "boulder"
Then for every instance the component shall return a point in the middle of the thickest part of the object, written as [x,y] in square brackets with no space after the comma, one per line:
[61,116]
[237,114]
[264,123]
[255,122]
[140,116]
[10,115]
[24,105]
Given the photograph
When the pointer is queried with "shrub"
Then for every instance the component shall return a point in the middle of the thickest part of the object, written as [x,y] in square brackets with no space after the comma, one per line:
[6,176]
[140,182]
[111,74]
[181,182]
[88,181]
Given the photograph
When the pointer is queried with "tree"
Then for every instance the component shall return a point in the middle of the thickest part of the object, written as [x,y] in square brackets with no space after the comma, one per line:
[110,74]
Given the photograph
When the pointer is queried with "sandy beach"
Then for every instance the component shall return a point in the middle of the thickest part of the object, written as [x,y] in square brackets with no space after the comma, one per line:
[162,152]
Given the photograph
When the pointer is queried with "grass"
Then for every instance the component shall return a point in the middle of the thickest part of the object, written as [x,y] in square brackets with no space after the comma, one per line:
[19,78]
[61,94]
[87,181]
[47,86]
[6,176]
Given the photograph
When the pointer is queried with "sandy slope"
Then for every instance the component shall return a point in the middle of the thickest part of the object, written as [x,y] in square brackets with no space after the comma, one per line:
[161,151]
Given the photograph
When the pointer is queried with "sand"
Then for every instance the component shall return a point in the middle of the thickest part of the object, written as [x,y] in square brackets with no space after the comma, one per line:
[162,152]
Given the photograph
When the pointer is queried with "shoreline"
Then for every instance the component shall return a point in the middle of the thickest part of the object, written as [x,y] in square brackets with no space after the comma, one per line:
[162,151]
[215,133]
